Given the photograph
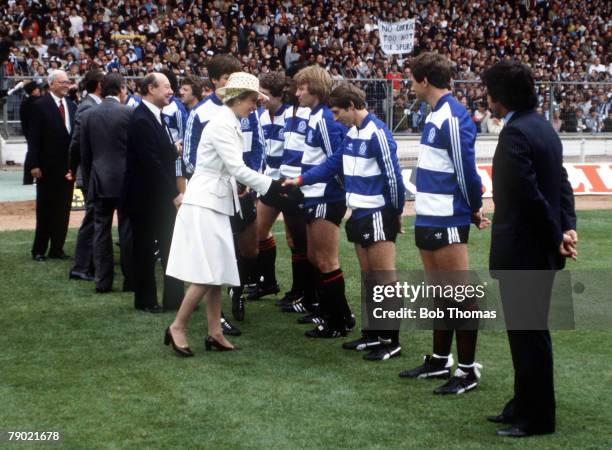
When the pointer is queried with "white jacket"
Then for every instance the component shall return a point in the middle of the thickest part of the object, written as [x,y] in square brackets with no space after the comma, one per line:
[219,165]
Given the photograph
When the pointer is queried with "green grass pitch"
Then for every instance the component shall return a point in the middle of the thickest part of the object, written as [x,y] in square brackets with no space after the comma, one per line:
[95,369]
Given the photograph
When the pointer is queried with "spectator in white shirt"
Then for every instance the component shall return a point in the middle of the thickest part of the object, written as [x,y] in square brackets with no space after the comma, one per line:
[76,23]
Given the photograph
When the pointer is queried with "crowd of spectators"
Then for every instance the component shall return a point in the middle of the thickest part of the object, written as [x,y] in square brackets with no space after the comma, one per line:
[561,41]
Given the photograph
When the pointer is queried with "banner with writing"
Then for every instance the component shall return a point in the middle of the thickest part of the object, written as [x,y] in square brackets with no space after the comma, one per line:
[396,37]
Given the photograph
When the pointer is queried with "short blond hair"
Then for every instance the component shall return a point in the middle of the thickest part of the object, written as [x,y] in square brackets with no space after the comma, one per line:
[318,80]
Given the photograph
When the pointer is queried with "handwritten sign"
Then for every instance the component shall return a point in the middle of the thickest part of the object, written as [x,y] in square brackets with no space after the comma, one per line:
[396,37]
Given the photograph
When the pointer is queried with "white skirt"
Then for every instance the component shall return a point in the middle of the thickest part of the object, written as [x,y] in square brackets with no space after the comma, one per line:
[202,249]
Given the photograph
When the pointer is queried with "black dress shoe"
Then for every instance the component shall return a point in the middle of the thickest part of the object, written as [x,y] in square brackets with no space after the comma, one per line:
[514,432]
[501,418]
[103,290]
[38,257]
[59,256]
[211,343]
[156,309]
[80,276]
[518,432]
[184,352]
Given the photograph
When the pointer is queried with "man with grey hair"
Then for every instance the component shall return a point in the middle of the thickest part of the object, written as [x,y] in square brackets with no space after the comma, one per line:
[48,143]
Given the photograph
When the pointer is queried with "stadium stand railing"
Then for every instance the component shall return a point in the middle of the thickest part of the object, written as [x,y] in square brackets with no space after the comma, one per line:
[392,101]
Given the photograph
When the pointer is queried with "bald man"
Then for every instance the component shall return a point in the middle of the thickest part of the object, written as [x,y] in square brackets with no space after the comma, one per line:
[150,195]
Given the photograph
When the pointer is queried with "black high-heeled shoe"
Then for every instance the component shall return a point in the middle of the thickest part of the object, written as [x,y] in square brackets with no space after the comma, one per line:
[185,352]
[211,343]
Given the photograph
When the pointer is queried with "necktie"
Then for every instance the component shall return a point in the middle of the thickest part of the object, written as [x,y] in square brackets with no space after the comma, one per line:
[62,111]
[163,124]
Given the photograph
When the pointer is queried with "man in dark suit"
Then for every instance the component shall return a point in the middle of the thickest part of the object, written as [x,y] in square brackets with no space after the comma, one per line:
[83,254]
[103,144]
[150,193]
[26,111]
[48,143]
[533,232]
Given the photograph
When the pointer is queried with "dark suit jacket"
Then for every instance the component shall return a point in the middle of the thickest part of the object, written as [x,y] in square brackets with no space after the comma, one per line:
[150,165]
[49,140]
[103,144]
[534,202]
[26,111]
[75,152]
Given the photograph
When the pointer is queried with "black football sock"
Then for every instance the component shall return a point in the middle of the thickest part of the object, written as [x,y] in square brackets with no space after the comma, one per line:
[299,270]
[267,261]
[442,341]
[367,307]
[311,282]
[372,328]
[332,295]
[247,269]
[466,346]
[299,263]
[319,293]
[390,332]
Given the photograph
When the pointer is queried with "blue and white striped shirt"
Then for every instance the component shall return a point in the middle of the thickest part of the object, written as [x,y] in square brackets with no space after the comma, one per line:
[274,135]
[199,117]
[201,114]
[324,137]
[372,175]
[296,126]
[133,101]
[254,144]
[448,186]
[175,117]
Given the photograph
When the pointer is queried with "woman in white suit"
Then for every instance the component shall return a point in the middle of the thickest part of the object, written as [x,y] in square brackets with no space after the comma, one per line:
[202,251]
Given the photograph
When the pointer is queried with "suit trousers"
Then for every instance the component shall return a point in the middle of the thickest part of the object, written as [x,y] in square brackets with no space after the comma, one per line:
[83,254]
[533,406]
[104,209]
[53,201]
[152,230]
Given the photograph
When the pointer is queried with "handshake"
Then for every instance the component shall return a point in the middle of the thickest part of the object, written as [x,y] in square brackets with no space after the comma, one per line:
[286,189]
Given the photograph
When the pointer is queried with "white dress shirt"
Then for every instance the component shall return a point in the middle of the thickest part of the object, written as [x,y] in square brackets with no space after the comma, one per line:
[96,99]
[154,109]
[157,113]
[59,101]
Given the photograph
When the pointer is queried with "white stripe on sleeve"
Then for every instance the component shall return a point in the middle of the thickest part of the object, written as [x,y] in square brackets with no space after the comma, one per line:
[457,156]
[325,135]
[386,156]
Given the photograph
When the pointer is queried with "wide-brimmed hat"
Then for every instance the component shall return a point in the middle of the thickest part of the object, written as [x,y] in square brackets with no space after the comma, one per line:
[240,82]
